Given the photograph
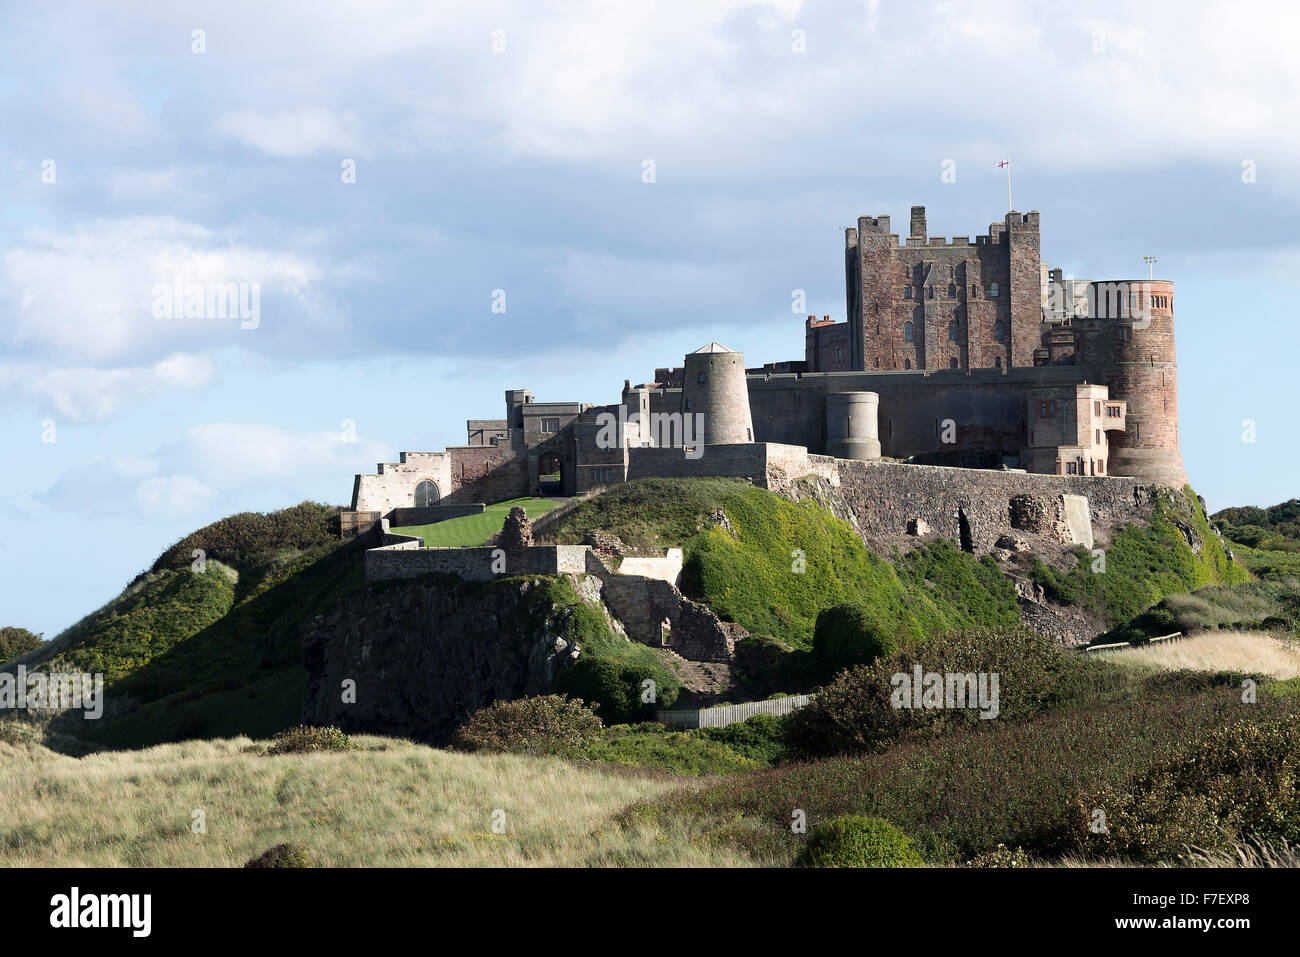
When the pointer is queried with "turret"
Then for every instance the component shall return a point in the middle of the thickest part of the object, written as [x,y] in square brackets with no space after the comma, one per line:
[714,387]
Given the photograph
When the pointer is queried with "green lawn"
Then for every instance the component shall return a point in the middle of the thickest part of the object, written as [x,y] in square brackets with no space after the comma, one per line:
[476,529]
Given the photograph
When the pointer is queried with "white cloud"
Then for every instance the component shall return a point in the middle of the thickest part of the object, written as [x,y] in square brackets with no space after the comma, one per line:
[293,133]
[86,294]
[86,394]
[214,464]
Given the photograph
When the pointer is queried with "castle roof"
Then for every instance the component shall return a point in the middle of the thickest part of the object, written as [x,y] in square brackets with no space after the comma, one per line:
[714,346]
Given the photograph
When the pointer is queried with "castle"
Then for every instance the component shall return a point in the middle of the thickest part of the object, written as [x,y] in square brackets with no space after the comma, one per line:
[953,353]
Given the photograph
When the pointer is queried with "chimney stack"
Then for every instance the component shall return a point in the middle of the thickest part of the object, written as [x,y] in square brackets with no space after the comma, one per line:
[918,222]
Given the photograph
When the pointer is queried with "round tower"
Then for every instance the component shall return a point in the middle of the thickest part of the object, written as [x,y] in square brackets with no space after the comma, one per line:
[714,389]
[1138,363]
[851,425]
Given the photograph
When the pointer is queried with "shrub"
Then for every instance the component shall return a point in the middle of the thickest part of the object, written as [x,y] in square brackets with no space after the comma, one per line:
[658,746]
[850,634]
[616,687]
[853,841]
[284,855]
[760,738]
[1232,784]
[234,539]
[305,739]
[17,641]
[1000,856]
[548,724]
[854,712]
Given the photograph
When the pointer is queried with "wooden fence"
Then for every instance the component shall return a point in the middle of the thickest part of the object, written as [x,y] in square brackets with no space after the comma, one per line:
[725,714]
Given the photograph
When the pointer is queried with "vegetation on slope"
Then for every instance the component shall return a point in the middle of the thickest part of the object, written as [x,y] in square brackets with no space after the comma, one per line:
[774,564]
[17,641]
[1276,528]
[1145,563]
[238,539]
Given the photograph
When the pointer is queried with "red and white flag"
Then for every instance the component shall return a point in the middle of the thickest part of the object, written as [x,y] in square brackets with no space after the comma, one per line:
[1002,164]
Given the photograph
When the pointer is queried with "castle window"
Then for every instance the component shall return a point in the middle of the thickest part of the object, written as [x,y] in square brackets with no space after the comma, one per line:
[1071,468]
[1047,410]
[952,363]
[1096,408]
[877,362]
[701,378]
[954,328]
[908,331]
[1098,439]
[974,291]
[929,292]
[550,425]
[993,290]
[687,405]
[1101,466]
[997,362]
[952,291]
[1126,333]
[999,330]
[907,292]
[839,353]
[907,363]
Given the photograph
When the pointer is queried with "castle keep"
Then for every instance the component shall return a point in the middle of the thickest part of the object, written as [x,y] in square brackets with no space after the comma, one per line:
[952,353]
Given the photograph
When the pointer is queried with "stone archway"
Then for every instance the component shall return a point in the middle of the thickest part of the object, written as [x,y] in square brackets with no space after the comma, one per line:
[550,474]
[426,493]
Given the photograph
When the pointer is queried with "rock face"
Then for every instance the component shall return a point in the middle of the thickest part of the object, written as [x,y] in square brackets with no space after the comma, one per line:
[427,653]
[604,544]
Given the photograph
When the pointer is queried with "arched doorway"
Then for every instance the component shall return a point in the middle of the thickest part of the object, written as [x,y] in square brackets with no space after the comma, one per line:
[550,474]
[426,493]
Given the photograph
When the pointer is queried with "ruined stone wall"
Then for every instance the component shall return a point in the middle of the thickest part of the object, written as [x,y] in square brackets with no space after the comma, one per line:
[408,560]
[974,507]
[393,485]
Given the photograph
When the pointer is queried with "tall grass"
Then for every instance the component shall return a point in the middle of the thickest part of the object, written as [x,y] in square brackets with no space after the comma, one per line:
[388,803]
[1252,652]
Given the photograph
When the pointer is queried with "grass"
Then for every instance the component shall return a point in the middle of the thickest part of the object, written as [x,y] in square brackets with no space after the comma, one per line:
[999,782]
[782,562]
[387,804]
[1252,652]
[471,530]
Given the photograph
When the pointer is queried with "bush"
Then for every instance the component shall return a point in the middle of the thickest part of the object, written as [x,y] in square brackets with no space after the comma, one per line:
[548,724]
[234,539]
[854,712]
[853,841]
[306,739]
[1235,783]
[658,746]
[615,688]
[1000,856]
[760,738]
[284,855]
[850,634]
[17,641]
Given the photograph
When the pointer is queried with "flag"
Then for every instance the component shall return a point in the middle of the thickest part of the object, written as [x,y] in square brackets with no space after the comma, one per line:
[1003,163]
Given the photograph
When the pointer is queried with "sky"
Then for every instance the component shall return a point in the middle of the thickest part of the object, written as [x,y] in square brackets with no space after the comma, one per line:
[439,201]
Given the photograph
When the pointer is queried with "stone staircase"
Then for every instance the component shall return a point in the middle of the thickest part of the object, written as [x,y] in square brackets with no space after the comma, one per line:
[707,682]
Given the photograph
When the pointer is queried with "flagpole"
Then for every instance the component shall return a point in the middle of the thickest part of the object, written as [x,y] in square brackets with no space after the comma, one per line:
[1009,206]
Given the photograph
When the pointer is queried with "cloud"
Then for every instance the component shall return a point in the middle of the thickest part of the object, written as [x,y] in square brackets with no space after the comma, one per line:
[293,133]
[87,293]
[86,394]
[212,465]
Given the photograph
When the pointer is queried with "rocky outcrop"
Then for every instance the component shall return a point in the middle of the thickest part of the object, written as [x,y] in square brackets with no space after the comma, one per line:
[422,655]
[517,533]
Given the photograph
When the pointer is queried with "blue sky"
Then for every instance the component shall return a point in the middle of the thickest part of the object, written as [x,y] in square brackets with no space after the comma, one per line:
[502,146]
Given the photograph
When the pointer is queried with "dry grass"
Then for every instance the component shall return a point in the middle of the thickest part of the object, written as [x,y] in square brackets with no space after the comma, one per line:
[1249,651]
[389,803]
[1249,855]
